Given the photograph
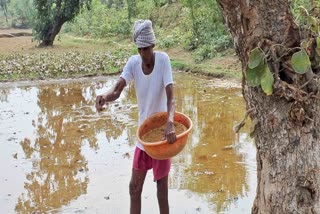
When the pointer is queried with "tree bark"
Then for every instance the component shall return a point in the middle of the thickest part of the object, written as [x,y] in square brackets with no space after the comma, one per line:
[52,33]
[286,124]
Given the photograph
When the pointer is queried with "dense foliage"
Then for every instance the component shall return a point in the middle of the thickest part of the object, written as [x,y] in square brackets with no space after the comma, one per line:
[102,20]
[4,8]
[196,25]
[17,13]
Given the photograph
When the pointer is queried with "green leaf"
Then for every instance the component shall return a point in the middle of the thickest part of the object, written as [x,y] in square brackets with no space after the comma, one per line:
[304,43]
[267,81]
[318,46]
[255,58]
[313,21]
[254,75]
[300,62]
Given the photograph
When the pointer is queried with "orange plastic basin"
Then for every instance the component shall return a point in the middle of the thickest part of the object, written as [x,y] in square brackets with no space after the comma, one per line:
[162,149]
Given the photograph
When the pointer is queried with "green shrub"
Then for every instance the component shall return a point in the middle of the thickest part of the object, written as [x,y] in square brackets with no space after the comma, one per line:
[100,21]
[21,13]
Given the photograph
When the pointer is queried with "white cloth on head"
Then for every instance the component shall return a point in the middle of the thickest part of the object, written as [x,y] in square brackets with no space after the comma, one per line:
[143,34]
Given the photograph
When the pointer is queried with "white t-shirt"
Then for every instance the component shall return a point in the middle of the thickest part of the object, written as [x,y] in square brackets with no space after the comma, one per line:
[150,89]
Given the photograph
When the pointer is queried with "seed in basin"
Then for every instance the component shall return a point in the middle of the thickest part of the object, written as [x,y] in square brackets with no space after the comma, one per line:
[151,135]
[157,134]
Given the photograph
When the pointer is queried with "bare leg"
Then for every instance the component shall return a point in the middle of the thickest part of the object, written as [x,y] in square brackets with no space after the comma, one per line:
[162,193]
[135,188]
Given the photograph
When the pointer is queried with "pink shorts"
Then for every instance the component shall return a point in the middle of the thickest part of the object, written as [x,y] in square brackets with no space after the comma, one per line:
[143,162]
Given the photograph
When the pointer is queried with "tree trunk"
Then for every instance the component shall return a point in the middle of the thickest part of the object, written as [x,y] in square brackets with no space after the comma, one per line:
[3,5]
[195,30]
[110,3]
[131,9]
[156,3]
[286,124]
[51,33]
[51,15]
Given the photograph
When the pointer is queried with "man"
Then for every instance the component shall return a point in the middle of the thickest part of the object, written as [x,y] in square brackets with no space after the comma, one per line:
[152,75]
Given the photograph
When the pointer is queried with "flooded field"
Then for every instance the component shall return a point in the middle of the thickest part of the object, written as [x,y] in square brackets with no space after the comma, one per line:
[58,155]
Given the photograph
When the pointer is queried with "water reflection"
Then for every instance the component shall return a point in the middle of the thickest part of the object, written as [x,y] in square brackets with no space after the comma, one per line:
[59,168]
[213,166]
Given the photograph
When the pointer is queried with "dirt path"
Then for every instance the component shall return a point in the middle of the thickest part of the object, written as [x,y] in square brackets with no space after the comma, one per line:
[16,44]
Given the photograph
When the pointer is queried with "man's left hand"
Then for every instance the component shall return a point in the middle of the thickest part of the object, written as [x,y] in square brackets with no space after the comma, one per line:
[170,133]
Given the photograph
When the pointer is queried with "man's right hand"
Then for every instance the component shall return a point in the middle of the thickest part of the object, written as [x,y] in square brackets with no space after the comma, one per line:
[100,101]
[111,95]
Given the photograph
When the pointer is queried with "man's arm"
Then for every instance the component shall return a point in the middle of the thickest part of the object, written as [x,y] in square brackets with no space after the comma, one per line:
[170,131]
[111,95]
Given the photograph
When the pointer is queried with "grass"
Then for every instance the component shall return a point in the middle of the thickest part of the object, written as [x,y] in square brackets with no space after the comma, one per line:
[179,65]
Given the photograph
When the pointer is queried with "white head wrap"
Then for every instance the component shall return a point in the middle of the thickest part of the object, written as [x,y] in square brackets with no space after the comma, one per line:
[143,34]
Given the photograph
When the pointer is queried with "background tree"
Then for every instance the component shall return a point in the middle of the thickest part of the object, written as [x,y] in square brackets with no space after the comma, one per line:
[280,66]
[192,6]
[51,15]
[208,34]
[132,8]
[21,13]
[101,21]
[113,3]
[4,8]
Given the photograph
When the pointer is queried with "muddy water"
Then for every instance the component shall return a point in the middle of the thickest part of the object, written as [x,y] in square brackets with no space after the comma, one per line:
[58,155]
